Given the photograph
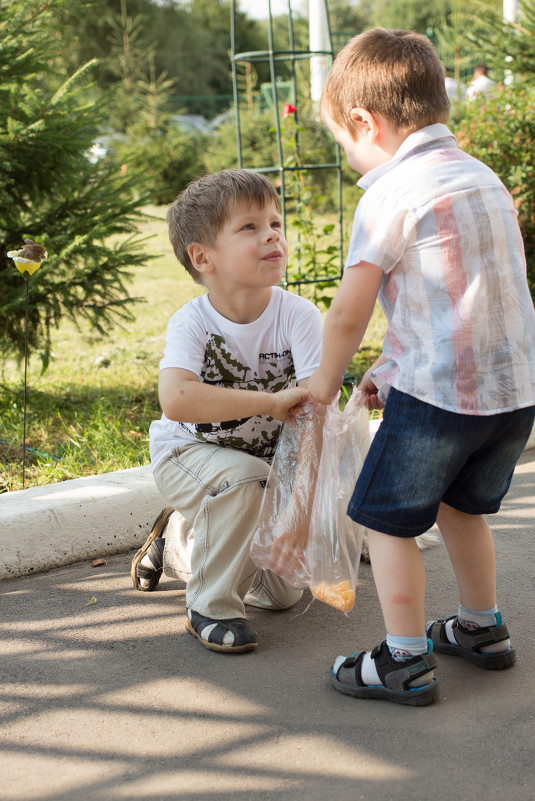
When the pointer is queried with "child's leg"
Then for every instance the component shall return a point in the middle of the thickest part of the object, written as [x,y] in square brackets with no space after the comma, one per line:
[399,574]
[220,490]
[477,632]
[179,539]
[470,545]
[269,591]
[401,668]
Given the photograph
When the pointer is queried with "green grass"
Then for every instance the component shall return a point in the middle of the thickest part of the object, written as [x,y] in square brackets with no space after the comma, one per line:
[90,411]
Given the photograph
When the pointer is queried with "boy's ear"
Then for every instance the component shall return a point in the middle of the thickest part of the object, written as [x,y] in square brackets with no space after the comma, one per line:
[199,257]
[367,123]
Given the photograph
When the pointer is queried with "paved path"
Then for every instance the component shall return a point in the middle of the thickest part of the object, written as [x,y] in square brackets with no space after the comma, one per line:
[113,700]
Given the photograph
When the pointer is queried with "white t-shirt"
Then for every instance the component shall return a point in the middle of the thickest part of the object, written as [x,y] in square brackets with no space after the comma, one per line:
[279,348]
[479,86]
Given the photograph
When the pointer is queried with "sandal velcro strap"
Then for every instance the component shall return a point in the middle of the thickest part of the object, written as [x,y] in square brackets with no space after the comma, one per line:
[470,644]
[211,633]
[479,638]
[349,670]
[398,675]
[148,572]
[437,632]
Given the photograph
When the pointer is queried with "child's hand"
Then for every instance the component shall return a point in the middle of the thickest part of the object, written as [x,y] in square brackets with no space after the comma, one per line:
[370,393]
[288,402]
[290,530]
[290,534]
[286,556]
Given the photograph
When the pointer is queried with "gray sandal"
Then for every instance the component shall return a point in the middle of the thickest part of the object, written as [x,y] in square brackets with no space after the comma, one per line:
[395,676]
[231,636]
[470,643]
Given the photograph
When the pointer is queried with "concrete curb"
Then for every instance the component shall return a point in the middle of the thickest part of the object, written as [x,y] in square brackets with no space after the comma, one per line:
[59,524]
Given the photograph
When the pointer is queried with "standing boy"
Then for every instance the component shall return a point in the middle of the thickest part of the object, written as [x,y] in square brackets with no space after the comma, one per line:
[226,383]
[435,236]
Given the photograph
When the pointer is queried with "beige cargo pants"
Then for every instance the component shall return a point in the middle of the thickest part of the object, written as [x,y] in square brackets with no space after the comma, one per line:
[218,494]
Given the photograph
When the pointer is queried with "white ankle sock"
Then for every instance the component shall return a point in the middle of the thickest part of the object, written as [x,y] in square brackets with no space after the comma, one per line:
[368,671]
[403,648]
[476,618]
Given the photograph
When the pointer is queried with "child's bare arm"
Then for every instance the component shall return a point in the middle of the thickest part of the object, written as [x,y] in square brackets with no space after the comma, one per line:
[345,325]
[183,397]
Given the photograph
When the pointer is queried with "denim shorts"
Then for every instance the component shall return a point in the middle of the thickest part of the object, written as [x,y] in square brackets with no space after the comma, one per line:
[423,455]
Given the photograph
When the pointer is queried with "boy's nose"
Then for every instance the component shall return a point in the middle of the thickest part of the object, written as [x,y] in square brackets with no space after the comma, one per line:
[272,234]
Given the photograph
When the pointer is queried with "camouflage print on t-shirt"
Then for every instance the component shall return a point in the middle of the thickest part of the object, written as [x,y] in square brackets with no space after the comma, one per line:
[257,435]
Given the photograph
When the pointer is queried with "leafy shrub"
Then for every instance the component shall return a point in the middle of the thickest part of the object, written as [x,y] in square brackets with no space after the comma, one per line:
[258,143]
[52,192]
[168,160]
[258,138]
[500,130]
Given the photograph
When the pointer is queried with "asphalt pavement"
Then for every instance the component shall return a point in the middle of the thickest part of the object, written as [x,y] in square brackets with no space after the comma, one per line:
[104,696]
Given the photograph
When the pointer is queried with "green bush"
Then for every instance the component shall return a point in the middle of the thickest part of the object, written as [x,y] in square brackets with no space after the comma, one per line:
[85,214]
[500,131]
[258,143]
[168,160]
[307,142]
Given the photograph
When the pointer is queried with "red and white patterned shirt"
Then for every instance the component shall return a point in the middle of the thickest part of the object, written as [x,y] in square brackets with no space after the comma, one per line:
[461,322]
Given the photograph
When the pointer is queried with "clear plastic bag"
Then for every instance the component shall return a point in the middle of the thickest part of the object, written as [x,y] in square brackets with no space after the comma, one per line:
[304,533]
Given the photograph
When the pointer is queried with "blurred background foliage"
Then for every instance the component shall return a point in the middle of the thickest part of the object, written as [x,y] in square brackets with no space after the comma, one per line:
[108,108]
[108,105]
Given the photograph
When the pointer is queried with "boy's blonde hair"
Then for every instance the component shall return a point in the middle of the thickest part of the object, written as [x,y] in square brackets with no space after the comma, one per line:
[202,209]
[396,74]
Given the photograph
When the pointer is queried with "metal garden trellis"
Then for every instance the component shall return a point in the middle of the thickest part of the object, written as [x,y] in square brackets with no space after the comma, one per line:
[275,57]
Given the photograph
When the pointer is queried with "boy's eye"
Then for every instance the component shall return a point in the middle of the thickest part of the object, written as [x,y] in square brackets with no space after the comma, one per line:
[248,227]
[276,224]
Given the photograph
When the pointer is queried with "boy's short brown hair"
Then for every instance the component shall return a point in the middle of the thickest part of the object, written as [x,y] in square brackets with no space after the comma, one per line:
[202,209]
[397,74]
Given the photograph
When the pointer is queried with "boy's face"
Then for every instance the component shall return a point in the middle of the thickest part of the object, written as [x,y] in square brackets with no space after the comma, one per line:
[250,250]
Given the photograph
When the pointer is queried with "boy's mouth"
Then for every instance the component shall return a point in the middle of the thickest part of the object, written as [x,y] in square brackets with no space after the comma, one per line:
[275,255]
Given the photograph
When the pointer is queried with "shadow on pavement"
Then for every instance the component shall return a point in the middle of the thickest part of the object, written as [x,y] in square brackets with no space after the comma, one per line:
[112,699]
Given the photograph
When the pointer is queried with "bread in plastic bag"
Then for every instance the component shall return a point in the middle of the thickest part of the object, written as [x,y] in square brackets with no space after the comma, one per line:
[304,533]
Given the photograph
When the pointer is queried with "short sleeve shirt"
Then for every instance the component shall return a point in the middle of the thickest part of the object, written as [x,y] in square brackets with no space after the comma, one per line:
[461,323]
[279,348]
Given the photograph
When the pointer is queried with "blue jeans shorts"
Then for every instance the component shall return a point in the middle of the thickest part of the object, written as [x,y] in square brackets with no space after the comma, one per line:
[423,455]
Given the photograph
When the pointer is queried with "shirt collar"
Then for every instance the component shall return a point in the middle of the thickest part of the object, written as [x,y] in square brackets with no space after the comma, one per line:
[437,135]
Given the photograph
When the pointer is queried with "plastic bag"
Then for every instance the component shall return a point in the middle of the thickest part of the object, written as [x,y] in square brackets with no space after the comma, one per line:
[304,533]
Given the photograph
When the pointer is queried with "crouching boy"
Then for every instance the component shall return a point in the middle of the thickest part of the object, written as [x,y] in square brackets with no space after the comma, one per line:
[227,382]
